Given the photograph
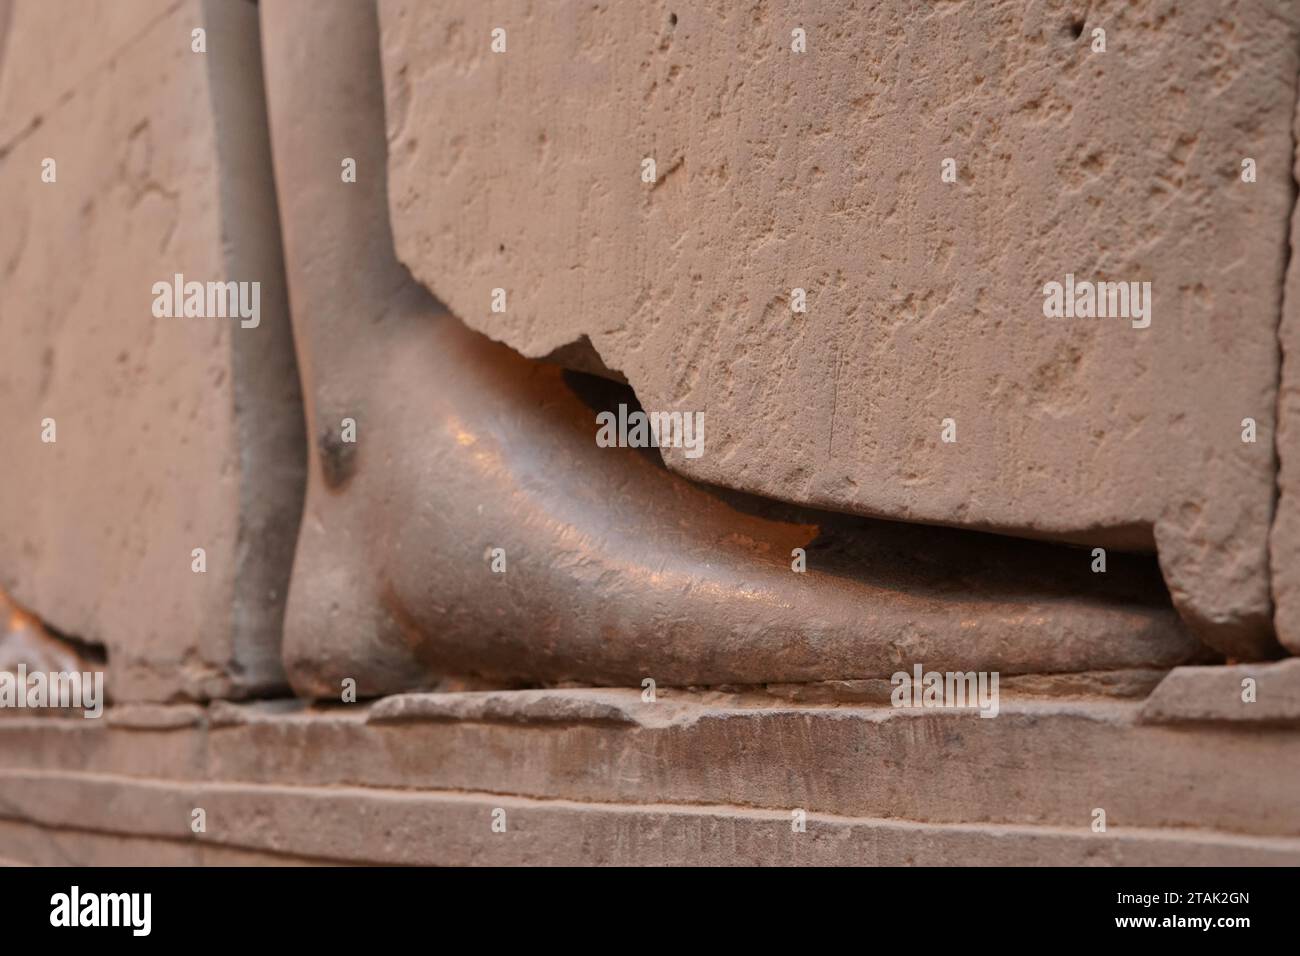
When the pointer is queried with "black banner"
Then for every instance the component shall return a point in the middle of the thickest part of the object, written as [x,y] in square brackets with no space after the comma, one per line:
[335,905]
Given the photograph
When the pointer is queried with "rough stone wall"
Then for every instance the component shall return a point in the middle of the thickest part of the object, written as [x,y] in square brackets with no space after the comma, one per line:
[602,777]
[131,440]
[822,171]
[829,234]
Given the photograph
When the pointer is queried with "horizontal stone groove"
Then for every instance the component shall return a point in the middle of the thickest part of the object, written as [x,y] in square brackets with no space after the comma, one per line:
[307,820]
[36,844]
[1041,763]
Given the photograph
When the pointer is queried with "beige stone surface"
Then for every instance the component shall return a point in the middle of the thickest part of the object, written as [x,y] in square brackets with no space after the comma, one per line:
[91,39]
[602,776]
[172,433]
[777,170]
[28,844]
[455,829]
[1246,693]
[1131,683]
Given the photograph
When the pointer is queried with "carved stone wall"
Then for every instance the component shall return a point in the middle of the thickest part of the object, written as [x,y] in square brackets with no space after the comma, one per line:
[330,332]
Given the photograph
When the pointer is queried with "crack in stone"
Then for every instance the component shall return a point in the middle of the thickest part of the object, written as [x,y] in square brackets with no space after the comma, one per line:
[38,118]
[1284,360]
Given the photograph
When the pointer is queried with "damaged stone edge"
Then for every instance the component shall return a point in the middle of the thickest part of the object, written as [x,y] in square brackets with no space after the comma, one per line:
[1288,361]
[1193,694]
[358,823]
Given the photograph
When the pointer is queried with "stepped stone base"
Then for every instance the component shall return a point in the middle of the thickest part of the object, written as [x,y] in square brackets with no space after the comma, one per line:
[585,776]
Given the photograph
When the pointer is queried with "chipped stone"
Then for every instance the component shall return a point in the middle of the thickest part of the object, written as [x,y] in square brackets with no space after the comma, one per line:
[777,171]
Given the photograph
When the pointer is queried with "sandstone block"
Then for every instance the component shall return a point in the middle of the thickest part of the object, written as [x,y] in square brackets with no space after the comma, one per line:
[823,171]
[1247,693]
[603,776]
[366,825]
[131,439]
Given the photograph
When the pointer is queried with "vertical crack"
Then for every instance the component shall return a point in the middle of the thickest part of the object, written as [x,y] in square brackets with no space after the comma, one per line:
[1280,523]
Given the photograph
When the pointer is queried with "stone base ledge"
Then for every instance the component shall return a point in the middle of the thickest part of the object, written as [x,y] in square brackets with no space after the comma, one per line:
[604,776]
[148,820]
